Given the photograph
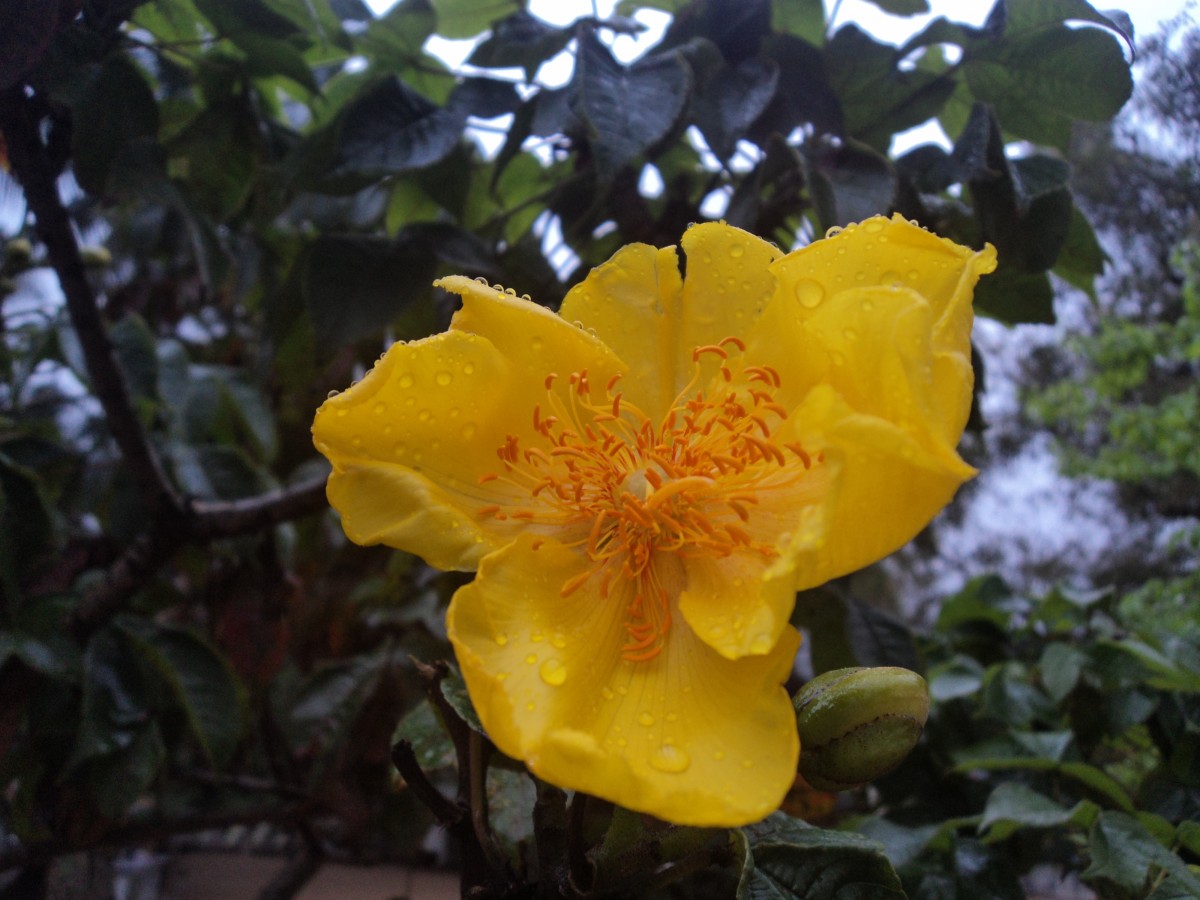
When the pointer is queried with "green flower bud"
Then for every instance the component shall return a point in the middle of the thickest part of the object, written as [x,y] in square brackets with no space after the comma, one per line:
[96,257]
[858,724]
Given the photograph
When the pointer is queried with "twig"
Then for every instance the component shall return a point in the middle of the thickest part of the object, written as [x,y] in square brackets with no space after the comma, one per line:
[446,812]
[33,169]
[150,830]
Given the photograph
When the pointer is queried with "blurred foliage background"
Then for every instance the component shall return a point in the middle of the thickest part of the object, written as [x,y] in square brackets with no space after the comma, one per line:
[226,208]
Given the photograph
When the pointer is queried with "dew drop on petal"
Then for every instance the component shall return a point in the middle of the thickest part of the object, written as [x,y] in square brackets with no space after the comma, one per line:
[424,415]
[468,431]
[559,641]
[645,719]
[356,442]
[379,408]
[607,693]
[873,227]
[867,306]
[737,250]
[670,759]
[850,334]
[891,279]
[469,369]
[760,644]
[809,293]
[621,742]
[536,636]
[443,378]
[501,638]
[331,395]
[531,706]
[536,343]
[531,658]
[553,672]
[719,755]
[406,380]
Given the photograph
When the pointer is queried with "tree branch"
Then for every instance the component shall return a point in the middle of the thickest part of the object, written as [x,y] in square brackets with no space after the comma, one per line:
[30,162]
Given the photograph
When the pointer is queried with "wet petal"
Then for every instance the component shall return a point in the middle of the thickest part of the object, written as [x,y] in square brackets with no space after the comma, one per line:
[889,487]
[688,736]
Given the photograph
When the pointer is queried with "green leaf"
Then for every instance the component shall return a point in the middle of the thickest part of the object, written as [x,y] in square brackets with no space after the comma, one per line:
[849,182]
[879,98]
[961,676]
[395,40]
[1015,297]
[432,746]
[785,859]
[117,110]
[626,109]
[53,655]
[467,18]
[273,43]
[1060,668]
[730,99]
[117,698]
[1124,853]
[521,40]
[199,679]
[354,285]
[219,156]
[27,535]
[903,7]
[135,348]
[454,689]
[803,18]
[1013,806]
[117,780]
[1038,84]
[1081,258]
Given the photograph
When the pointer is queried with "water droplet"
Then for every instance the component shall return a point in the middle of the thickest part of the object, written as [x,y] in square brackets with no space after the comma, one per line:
[424,415]
[468,431]
[400,448]
[809,293]
[536,343]
[379,408]
[607,692]
[737,250]
[410,401]
[341,413]
[719,755]
[672,717]
[874,227]
[331,395]
[645,719]
[760,644]
[531,658]
[747,764]
[469,369]
[443,378]
[559,641]
[531,706]
[501,638]
[913,275]
[500,676]
[891,279]
[356,442]
[867,306]
[537,637]
[553,672]
[406,380]
[839,358]
[621,742]
[850,334]
[670,759]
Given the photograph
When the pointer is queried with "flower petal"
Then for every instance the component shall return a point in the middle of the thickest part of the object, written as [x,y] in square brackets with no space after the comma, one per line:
[412,440]
[638,304]
[687,736]
[890,485]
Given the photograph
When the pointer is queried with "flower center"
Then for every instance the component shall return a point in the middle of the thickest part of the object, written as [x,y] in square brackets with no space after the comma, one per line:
[630,492]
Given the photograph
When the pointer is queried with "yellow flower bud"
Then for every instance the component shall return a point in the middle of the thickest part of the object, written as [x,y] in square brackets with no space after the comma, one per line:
[858,724]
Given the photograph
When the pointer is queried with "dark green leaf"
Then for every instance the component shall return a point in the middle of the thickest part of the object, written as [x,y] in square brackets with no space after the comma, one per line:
[958,677]
[200,681]
[1013,806]
[849,182]
[803,18]
[395,40]
[432,746]
[134,345]
[1060,668]
[116,780]
[626,109]
[785,859]
[903,7]
[454,689]
[520,40]
[117,698]
[118,109]
[353,285]
[273,43]
[878,637]
[1081,258]
[730,99]
[1014,297]
[804,95]
[1124,853]
[879,97]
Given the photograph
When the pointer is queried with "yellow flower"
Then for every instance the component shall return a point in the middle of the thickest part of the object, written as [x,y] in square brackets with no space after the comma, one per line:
[644,481]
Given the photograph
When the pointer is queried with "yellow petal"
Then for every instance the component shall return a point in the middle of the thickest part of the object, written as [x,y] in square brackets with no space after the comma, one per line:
[534,340]
[740,604]
[638,305]
[632,303]
[409,442]
[890,252]
[889,485]
[687,736]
